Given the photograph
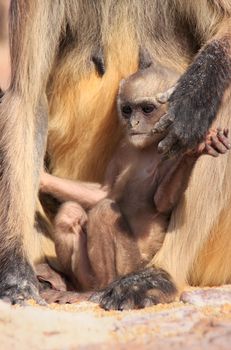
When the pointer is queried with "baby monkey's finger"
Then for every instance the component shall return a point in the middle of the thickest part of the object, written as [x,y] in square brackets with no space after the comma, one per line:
[166,145]
[218,144]
[211,151]
[223,138]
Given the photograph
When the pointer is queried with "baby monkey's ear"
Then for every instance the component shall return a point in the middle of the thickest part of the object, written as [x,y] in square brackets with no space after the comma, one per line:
[121,84]
[118,100]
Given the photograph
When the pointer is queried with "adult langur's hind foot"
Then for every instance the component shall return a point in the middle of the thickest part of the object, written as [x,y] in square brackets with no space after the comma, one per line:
[19,284]
[137,290]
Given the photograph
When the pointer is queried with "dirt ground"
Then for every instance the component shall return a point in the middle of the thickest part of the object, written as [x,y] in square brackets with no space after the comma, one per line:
[201,321]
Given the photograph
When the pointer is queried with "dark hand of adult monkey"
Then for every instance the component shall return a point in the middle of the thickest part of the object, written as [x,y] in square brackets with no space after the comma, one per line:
[195,101]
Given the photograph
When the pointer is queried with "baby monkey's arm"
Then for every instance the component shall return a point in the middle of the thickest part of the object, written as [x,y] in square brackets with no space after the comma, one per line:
[176,178]
[87,194]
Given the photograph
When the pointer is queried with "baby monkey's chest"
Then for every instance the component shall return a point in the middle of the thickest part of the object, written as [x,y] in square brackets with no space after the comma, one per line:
[139,188]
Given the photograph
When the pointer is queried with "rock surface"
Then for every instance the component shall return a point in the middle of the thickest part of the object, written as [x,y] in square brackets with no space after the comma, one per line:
[202,321]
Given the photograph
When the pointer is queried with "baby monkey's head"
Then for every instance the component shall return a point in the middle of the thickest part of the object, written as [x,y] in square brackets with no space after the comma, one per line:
[138,107]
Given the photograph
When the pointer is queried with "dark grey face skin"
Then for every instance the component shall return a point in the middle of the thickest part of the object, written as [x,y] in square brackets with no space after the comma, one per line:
[139,119]
[139,109]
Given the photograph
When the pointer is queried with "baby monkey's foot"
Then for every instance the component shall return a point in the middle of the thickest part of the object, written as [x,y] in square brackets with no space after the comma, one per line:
[71,219]
[69,233]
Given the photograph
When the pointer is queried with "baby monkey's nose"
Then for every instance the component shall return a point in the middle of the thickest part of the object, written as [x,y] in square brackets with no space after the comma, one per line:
[135,122]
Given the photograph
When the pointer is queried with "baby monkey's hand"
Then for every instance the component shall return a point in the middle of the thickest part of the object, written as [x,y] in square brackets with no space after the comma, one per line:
[216,142]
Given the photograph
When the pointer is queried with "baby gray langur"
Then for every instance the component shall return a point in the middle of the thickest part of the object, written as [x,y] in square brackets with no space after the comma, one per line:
[123,228]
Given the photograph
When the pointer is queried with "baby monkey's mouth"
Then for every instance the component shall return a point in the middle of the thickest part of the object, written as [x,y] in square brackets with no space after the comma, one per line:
[133,133]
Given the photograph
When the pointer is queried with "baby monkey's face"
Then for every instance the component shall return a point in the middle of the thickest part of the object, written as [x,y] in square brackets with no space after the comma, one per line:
[139,118]
[138,108]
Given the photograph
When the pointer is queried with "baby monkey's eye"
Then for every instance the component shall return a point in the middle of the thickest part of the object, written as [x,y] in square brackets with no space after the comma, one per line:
[148,108]
[127,110]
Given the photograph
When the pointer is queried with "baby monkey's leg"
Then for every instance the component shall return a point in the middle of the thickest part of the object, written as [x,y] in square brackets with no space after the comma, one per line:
[95,249]
[71,241]
[112,249]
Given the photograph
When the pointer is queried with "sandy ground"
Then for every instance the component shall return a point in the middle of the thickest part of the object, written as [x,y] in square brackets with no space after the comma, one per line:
[203,322]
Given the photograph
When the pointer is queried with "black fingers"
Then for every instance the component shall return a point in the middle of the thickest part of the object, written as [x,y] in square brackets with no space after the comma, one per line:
[21,293]
[169,146]
[137,290]
[163,124]
[99,61]
[18,282]
[166,145]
